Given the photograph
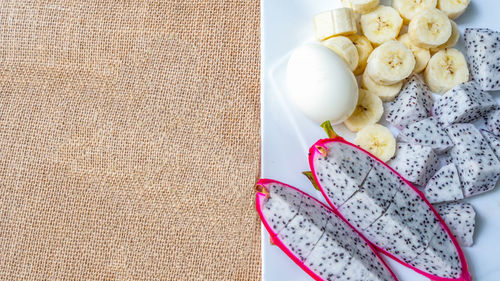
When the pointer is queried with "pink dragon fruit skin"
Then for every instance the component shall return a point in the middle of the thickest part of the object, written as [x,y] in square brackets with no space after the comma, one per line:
[320,149]
[263,186]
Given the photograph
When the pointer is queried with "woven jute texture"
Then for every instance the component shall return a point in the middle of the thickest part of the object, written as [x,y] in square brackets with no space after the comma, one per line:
[129,140]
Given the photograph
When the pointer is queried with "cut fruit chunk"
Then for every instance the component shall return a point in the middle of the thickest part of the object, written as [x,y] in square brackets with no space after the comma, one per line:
[343,47]
[335,22]
[281,206]
[378,140]
[410,8]
[484,57]
[493,140]
[362,209]
[368,111]
[444,186]
[446,69]
[453,8]
[415,162]
[361,6]
[429,28]
[390,63]
[364,48]
[384,92]
[455,35]
[427,132]
[493,121]
[381,25]
[461,219]
[422,56]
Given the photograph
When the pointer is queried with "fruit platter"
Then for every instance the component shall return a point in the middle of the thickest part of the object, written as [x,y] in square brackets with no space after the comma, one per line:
[380,140]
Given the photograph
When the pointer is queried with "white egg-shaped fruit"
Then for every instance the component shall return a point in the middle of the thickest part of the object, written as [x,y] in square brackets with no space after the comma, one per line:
[321,84]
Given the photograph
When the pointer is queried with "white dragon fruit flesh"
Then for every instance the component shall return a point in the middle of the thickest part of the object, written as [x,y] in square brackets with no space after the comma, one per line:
[483,53]
[392,214]
[461,219]
[463,103]
[493,140]
[444,186]
[493,121]
[319,241]
[477,165]
[426,132]
[413,103]
[415,162]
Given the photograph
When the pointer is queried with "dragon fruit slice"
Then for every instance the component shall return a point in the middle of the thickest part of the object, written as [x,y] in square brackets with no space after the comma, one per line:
[481,46]
[461,218]
[463,103]
[406,228]
[493,121]
[320,242]
[426,132]
[444,186]
[413,103]
[415,163]
[477,165]
[493,140]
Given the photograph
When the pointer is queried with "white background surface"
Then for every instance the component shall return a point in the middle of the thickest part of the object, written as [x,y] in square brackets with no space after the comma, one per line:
[287,135]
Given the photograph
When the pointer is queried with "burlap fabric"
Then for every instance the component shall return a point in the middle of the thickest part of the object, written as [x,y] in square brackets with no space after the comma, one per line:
[129,140]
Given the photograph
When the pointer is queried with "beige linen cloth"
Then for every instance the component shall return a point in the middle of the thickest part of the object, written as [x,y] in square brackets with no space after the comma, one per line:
[129,140]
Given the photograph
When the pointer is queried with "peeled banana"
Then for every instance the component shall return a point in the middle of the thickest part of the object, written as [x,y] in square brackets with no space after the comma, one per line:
[368,111]
[409,8]
[455,35]
[385,93]
[343,47]
[381,25]
[422,56]
[364,48]
[446,69]
[361,6]
[335,22]
[390,63]
[453,8]
[429,28]
[377,140]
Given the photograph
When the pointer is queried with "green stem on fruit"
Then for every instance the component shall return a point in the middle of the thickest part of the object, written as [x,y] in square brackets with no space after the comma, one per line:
[329,129]
[310,176]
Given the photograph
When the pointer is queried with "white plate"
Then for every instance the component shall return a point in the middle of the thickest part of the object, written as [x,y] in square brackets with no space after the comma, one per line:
[287,135]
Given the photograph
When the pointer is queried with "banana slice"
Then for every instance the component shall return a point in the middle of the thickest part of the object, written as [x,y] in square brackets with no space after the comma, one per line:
[429,28]
[453,8]
[409,8]
[343,47]
[446,69]
[368,111]
[385,93]
[335,22]
[361,6]
[455,35]
[364,48]
[422,56]
[377,140]
[381,25]
[390,63]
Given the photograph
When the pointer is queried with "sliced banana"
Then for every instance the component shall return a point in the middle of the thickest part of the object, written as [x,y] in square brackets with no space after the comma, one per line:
[453,8]
[455,35]
[429,28]
[385,93]
[368,111]
[364,48]
[335,22]
[409,8]
[390,63]
[446,69]
[343,47]
[381,25]
[361,6]
[377,140]
[422,56]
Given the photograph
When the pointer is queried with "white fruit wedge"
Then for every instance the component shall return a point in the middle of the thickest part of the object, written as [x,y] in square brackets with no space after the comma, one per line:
[422,55]
[364,48]
[409,8]
[335,22]
[368,111]
[377,140]
[453,8]
[344,47]
[384,92]
[446,69]
[381,25]
[361,6]
[429,28]
[390,63]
